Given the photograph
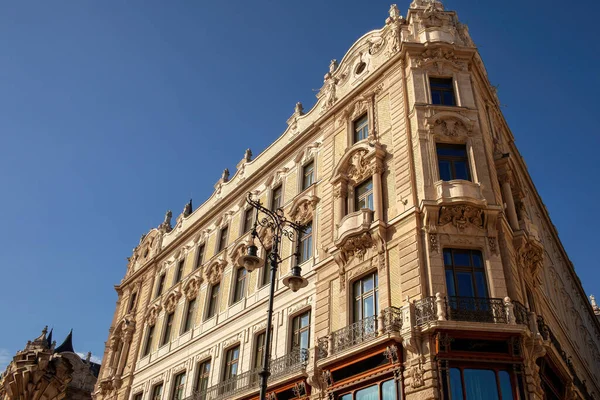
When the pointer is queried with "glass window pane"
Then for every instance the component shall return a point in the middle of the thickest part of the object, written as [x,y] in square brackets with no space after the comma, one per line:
[477,261]
[450,283]
[480,284]
[448,98]
[369,307]
[436,97]
[462,258]
[480,384]
[505,385]
[445,170]
[370,393]
[388,390]
[357,288]
[447,258]
[346,397]
[456,391]
[465,284]
[462,170]
[367,283]
[304,319]
[451,150]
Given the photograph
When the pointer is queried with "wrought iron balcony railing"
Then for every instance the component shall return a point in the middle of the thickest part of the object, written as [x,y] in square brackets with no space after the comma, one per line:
[389,320]
[470,309]
[294,361]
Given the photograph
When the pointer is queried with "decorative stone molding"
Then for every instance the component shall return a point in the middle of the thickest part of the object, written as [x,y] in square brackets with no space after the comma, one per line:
[152,314]
[214,272]
[171,300]
[433,242]
[450,126]
[416,374]
[303,209]
[329,87]
[358,163]
[461,216]
[459,191]
[394,26]
[239,250]
[531,256]
[438,57]
[192,287]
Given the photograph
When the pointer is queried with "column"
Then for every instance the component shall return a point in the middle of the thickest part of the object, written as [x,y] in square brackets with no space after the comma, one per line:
[340,199]
[511,211]
[124,351]
[378,190]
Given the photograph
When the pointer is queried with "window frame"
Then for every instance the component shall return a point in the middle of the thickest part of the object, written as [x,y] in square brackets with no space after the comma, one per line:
[239,285]
[138,396]
[179,271]
[228,363]
[297,333]
[265,271]
[259,348]
[159,385]
[379,384]
[248,223]
[360,125]
[514,378]
[212,308]
[147,349]
[370,194]
[471,269]
[160,286]
[453,160]
[132,301]
[186,326]
[374,293]
[179,386]
[305,256]
[167,329]
[435,83]
[223,238]
[201,374]
[200,250]
[308,171]
[276,190]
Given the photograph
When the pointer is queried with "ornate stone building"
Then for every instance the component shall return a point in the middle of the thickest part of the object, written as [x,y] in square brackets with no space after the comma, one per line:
[43,371]
[434,269]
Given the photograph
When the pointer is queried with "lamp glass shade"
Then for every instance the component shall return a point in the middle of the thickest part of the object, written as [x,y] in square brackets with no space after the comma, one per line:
[295,282]
[251,261]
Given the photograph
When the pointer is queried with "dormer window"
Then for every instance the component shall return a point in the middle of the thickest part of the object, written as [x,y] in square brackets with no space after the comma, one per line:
[361,128]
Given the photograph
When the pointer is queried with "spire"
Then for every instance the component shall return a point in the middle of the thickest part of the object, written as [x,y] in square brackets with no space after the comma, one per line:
[49,338]
[67,344]
[187,210]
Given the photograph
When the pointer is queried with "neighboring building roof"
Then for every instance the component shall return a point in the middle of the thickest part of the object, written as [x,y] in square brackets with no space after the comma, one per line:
[67,344]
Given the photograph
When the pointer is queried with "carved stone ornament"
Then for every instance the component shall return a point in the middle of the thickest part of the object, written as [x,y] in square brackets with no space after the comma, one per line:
[461,216]
[329,87]
[326,377]
[391,353]
[531,256]
[416,374]
[357,247]
[299,389]
[152,314]
[302,211]
[165,226]
[492,244]
[434,16]
[214,272]
[192,286]
[237,252]
[452,128]
[433,242]
[394,24]
[360,167]
[439,57]
[266,237]
[171,301]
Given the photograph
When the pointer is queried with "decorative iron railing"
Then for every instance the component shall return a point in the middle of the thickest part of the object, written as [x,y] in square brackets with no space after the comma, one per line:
[353,334]
[521,313]
[476,309]
[229,387]
[294,361]
[392,319]
[425,310]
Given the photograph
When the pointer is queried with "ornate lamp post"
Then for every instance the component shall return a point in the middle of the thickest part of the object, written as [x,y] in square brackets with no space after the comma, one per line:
[280,227]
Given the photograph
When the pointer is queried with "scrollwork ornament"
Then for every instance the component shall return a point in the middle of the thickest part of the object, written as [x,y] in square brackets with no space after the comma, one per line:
[461,216]
[433,242]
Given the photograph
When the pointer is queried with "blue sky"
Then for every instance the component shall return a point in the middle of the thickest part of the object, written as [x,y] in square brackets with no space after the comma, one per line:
[113,112]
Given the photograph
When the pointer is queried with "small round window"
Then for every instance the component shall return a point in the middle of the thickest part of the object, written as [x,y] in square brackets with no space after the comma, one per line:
[360,68]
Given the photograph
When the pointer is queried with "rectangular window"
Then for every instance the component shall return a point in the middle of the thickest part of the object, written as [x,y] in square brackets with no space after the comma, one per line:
[199,256]
[132,302]
[167,330]
[240,284]
[361,128]
[366,297]
[157,392]
[161,285]
[266,270]
[179,271]
[387,390]
[223,239]
[202,376]
[306,243]
[442,91]
[308,172]
[178,387]
[276,198]
[248,219]
[189,315]
[213,301]
[301,331]
[259,349]
[363,195]
[453,162]
[470,383]
[465,273]
[149,337]
[138,396]
[232,360]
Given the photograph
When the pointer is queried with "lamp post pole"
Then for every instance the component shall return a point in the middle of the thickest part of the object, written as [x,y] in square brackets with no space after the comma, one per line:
[279,226]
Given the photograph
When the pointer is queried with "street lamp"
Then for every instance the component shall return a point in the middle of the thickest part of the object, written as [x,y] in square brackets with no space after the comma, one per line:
[280,227]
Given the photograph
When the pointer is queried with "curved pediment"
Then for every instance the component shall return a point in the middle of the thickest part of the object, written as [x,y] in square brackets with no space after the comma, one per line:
[358,162]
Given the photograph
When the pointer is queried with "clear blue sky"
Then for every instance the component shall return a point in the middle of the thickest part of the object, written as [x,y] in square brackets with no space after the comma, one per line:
[112,112]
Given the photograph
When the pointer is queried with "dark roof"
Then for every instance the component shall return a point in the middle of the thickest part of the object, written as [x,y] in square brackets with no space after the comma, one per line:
[49,338]
[67,345]
[95,369]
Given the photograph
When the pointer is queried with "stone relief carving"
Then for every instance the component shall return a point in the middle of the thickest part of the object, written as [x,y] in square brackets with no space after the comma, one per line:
[461,216]
[439,57]
[171,300]
[329,87]
[394,24]
[451,128]
[192,286]
[214,272]
[531,256]
[302,212]
[433,242]
[165,226]
[435,17]
[492,244]
[416,374]
[152,314]
[360,168]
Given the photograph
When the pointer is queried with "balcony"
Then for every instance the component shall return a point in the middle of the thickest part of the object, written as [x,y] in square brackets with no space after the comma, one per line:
[469,309]
[459,191]
[354,224]
[291,363]
[352,336]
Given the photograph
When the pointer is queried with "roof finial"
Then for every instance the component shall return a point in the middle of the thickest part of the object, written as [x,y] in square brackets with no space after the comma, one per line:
[248,155]
[187,210]
[593,301]
[88,356]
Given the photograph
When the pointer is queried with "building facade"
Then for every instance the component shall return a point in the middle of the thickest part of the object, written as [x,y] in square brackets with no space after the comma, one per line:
[434,269]
[43,371]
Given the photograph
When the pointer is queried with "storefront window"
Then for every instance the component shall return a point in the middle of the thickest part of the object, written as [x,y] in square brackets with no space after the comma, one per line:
[387,390]
[480,384]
